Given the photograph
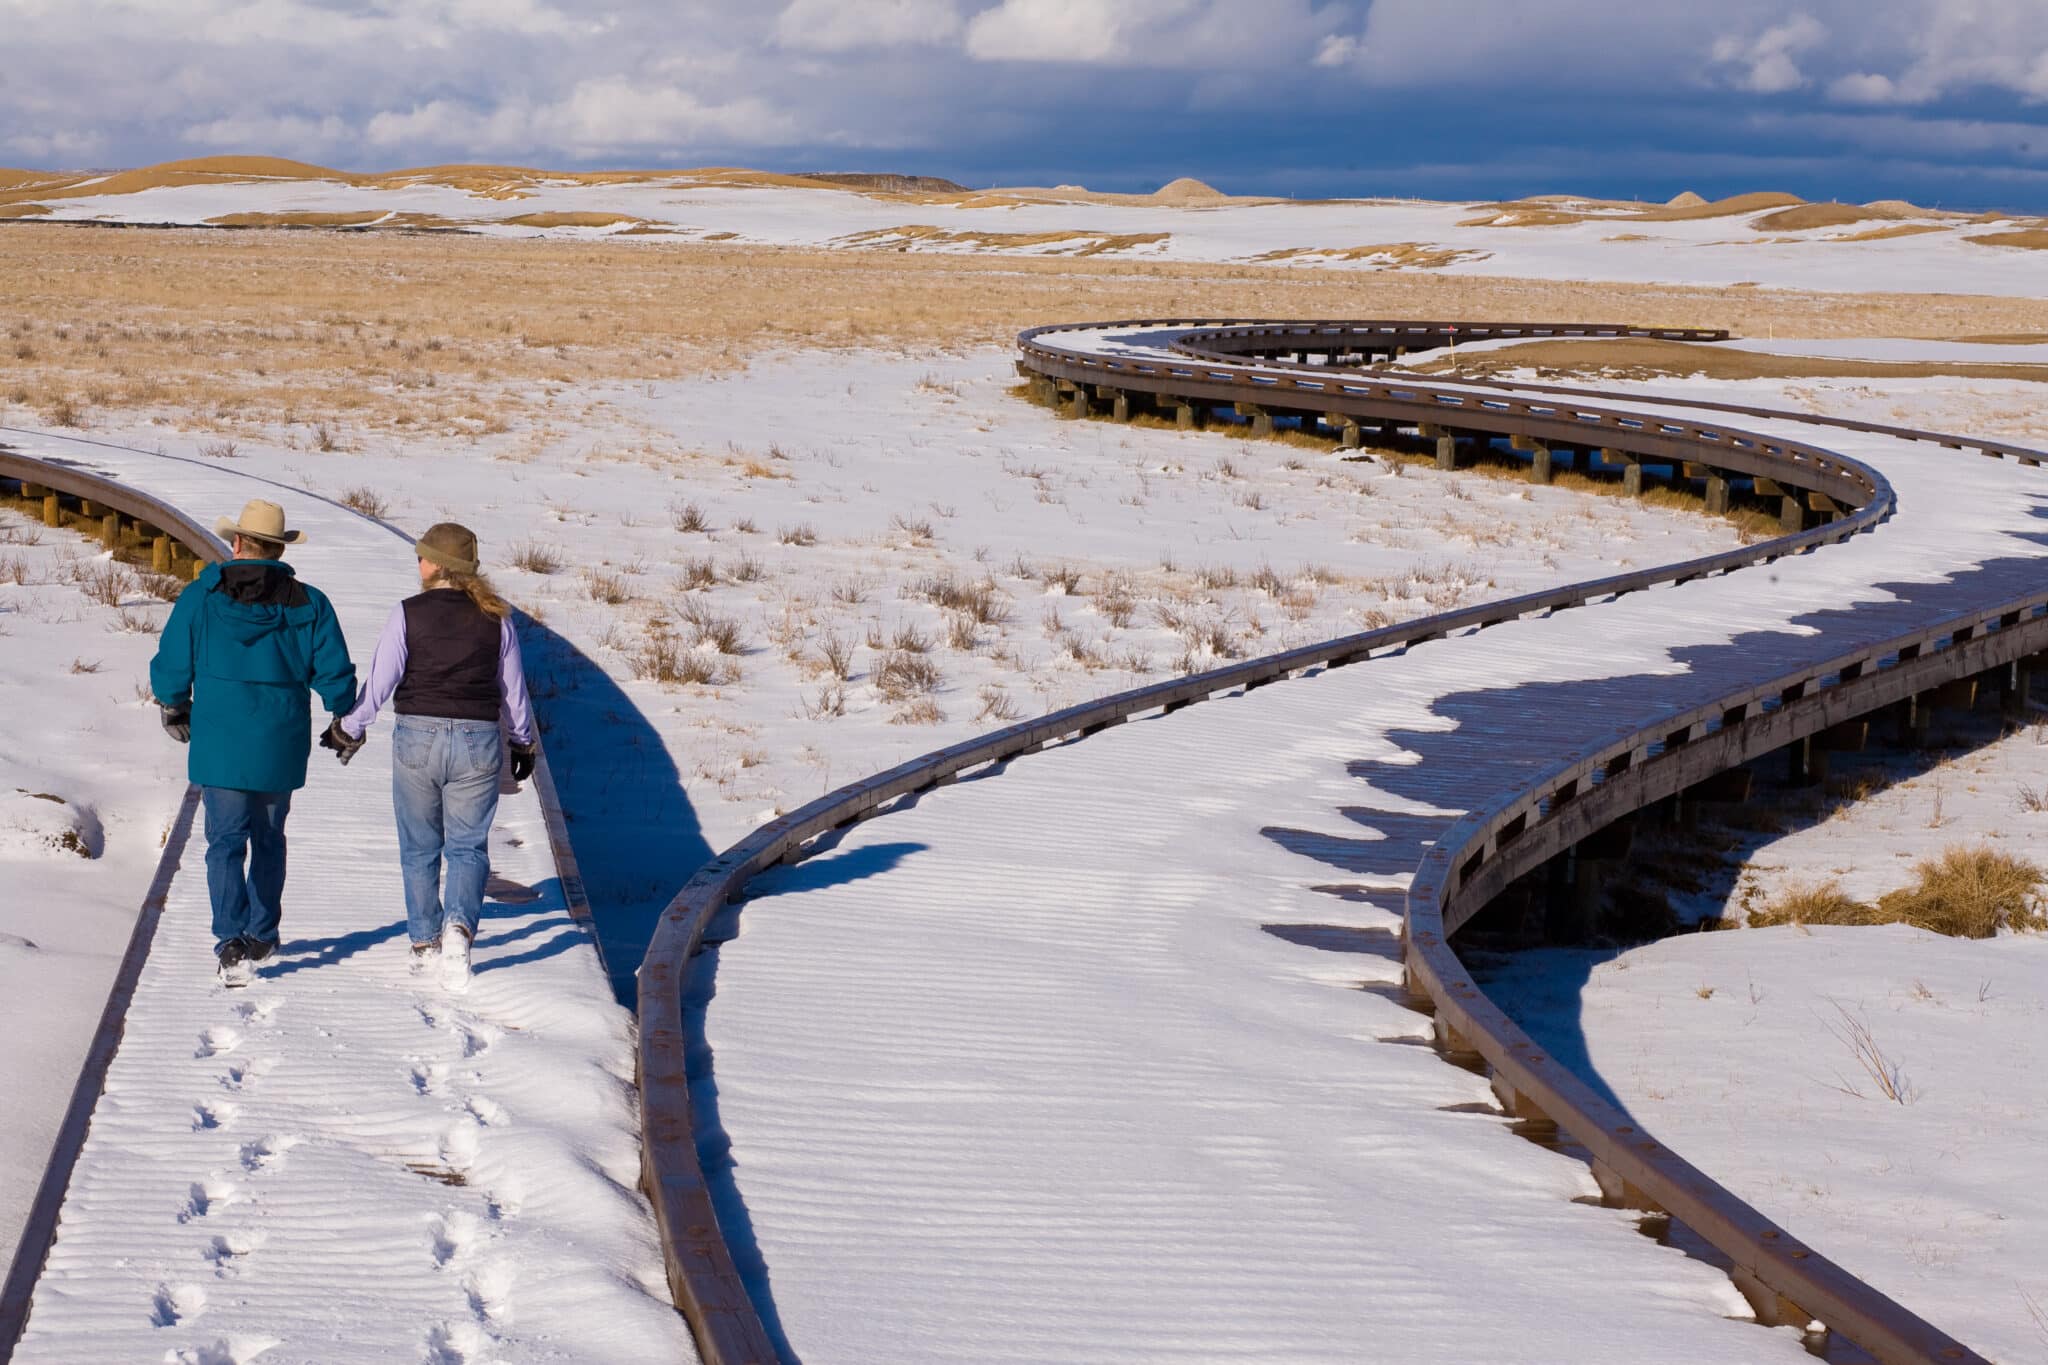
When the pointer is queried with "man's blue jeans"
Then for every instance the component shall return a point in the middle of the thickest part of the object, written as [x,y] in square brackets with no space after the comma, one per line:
[245,862]
[444,790]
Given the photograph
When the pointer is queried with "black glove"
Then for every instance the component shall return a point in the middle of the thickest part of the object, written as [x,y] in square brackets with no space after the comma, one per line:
[523,756]
[177,722]
[337,739]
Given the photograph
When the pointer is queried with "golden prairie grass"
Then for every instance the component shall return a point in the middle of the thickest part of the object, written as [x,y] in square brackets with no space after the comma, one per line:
[1968,891]
[346,334]
[1649,357]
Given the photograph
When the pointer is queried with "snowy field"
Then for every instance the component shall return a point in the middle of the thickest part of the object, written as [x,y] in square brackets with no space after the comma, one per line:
[1905,248]
[748,587]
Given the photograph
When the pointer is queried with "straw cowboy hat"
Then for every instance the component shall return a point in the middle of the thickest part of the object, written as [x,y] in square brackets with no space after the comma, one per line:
[260,521]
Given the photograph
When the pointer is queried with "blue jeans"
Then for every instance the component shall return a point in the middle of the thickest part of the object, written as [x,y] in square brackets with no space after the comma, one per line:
[245,862]
[444,790]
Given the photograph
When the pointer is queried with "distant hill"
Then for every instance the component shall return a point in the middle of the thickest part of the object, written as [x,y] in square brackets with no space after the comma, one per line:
[886,183]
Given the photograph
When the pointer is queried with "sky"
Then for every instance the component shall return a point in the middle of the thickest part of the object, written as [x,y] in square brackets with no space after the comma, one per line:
[1939,101]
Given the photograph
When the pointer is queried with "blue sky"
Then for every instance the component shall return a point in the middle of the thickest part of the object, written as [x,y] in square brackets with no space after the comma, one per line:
[1940,101]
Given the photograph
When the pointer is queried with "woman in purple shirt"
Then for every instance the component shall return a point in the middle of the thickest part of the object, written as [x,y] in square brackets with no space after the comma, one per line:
[449,661]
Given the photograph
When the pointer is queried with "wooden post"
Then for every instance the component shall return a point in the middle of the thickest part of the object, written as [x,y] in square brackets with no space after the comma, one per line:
[1717,493]
[1186,416]
[1539,457]
[1262,421]
[53,510]
[110,530]
[1119,403]
[2019,682]
[1350,435]
[1446,445]
[1791,514]
[1077,401]
[1631,477]
[160,554]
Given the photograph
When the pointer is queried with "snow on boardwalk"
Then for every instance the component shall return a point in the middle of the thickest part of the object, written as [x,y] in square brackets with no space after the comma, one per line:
[1103,1057]
[341,1163]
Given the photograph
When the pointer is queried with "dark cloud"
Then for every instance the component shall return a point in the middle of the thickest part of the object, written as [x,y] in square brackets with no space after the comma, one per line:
[1480,98]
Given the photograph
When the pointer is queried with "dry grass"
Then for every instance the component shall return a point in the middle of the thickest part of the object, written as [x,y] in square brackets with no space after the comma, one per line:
[246,331]
[902,676]
[365,500]
[1650,358]
[535,557]
[1966,892]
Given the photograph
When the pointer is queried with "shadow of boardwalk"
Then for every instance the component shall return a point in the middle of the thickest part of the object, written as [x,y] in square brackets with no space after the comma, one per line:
[636,835]
[1499,741]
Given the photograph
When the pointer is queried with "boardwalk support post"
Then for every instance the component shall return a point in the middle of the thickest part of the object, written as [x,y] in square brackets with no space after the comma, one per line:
[1350,435]
[1262,420]
[1446,444]
[1717,492]
[1539,456]
[1187,416]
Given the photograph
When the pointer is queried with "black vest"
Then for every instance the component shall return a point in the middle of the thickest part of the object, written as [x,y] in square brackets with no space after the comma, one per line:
[451,658]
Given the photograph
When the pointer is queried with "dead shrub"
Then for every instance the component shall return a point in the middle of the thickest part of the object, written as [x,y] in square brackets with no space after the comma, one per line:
[535,557]
[802,534]
[107,584]
[688,518]
[916,530]
[365,500]
[997,705]
[982,601]
[699,573]
[851,591]
[834,655]
[961,632]
[909,639]
[923,711]
[903,675]
[746,569]
[608,588]
[162,586]
[720,633]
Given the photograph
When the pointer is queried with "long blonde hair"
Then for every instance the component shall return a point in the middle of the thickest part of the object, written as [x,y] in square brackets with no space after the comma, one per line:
[476,588]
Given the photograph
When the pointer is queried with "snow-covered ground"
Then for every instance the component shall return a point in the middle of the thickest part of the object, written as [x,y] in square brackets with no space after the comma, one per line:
[88,786]
[1036,986]
[1452,238]
[1078,1100]
[842,494]
[341,1163]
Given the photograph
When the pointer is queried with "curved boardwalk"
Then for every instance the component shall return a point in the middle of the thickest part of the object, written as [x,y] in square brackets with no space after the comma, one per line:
[1105,1056]
[341,1163]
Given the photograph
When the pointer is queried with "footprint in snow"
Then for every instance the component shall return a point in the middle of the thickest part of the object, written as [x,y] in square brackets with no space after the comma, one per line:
[488,1111]
[216,1191]
[476,1036]
[173,1304]
[454,1235]
[456,1343]
[459,1145]
[265,1152]
[216,1041]
[489,1288]
[228,1249]
[257,1011]
[430,1078]
[224,1351]
[242,1075]
[217,1114]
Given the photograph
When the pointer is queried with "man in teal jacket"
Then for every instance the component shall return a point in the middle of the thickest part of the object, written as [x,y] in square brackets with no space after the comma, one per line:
[243,645]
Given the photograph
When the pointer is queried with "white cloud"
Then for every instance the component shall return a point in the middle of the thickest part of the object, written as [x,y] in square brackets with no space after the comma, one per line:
[1339,49]
[1863,87]
[837,26]
[259,133]
[1058,30]
[1766,64]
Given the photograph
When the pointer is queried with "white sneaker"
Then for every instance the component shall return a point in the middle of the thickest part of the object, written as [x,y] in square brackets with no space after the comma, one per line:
[238,974]
[454,958]
[424,955]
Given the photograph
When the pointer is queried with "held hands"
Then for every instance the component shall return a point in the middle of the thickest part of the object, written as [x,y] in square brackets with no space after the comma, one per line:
[337,739]
[523,756]
[177,722]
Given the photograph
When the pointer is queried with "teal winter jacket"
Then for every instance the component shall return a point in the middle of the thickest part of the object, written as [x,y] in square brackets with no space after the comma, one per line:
[243,645]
